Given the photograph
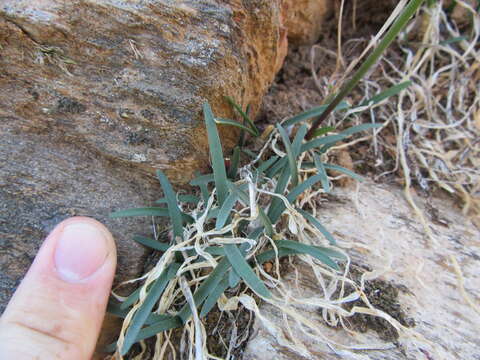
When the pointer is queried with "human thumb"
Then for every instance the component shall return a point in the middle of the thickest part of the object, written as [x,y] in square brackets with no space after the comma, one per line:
[58,308]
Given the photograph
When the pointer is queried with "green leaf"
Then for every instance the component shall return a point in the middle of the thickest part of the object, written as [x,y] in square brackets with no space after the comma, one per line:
[316,111]
[151,243]
[277,206]
[331,139]
[322,172]
[394,90]
[310,250]
[264,166]
[206,288]
[319,226]
[232,171]
[343,170]
[146,211]
[359,128]
[170,322]
[261,213]
[323,131]
[213,297]
[277,167]
[225,210]
[202,179]
[453,40]
[233,278]
[409,10]
[236,124]
[243,269]
[297,141]
[243,115]
[145,309]
[186,198]
[216,154]
[290,155]
[173,209]
[270,255]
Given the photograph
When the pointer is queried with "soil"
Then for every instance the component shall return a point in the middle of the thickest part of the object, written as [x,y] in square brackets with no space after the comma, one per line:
[383,295]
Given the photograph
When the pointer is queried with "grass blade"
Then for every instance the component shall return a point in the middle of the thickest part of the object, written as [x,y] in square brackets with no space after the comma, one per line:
[206,288]
[243,115]
[202,179]
[316,111]
[243,269]
[146,211]
[266,165]
[170,322]
[331,139]
[299,137]
[319,226]
[225,210]
[310,250]
[391,34]
[277,206]
[186,198]
[343,170]
[142,313]
[236,124]
[153,244]
[358,128]
[216,155]
[322,172]
[290,154]
[173,209]
[233,169]
[322,131]
[392,91]
[213,297]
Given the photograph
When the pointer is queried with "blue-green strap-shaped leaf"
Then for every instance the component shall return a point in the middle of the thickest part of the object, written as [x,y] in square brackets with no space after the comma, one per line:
[266,164]
[225,210]
[261,213]
[235,161]
[277,204]
[291,197]
[277,167]
[243,269]
[316,111]
[216,155]
[319,226]
[245,117]
[322,172]
[271,254]
[313,251]
[315,143]
[145,309]
[173,209]
[343,170]
[392,91]
[202,179]
[298,140]
[151,243]
[171,322]
[359,128]
[213,297]
[323,131]
[206,288]
[148,211]
[236,124]
[290,155]
[186,198]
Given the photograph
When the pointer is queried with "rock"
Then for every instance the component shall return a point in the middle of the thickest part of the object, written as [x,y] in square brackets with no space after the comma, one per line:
[304,19]
[416,282]
[96,95]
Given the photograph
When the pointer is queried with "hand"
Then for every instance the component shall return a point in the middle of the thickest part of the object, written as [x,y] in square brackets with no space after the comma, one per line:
[58,308]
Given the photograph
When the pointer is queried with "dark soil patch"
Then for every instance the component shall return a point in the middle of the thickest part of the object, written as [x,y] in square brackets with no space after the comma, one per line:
[383,295]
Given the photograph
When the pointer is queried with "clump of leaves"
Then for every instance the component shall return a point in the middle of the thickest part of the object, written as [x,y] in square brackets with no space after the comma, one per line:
[244,217]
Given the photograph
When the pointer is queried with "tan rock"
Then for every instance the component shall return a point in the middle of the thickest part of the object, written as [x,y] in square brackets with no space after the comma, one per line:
[304,19]
[382,233]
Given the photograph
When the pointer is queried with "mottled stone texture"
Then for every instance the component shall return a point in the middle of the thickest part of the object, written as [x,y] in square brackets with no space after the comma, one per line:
[96,95]
[304,19]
